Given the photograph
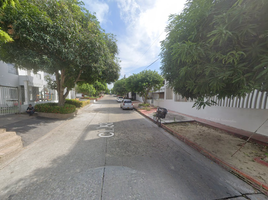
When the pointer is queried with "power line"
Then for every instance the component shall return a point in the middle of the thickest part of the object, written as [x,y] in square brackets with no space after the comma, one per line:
[152,63]
[154,42]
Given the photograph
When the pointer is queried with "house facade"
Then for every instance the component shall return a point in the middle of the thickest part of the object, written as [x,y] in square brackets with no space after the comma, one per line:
[18,88]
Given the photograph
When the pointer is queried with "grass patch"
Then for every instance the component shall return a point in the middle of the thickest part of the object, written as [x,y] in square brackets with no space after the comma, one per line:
[144,105]
[147,108]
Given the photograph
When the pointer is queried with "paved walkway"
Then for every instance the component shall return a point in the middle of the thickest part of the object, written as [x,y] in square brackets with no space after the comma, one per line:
[30,128]
[179,117]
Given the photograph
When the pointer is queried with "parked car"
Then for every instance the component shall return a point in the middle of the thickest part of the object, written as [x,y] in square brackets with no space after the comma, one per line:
[79,95]
[126,104]
[120,99]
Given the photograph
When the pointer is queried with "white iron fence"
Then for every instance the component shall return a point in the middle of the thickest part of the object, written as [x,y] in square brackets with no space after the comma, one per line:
[253,100]
[9,100]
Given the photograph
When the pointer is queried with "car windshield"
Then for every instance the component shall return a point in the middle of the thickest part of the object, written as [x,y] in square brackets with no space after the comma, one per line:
[120,97]
[128,101]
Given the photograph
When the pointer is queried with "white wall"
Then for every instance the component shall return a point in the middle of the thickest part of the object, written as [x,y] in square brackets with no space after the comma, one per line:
[241,118]
[6,78]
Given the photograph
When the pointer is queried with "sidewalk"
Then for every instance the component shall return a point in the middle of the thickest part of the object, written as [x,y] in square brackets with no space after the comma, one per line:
[30,128]
[172,117]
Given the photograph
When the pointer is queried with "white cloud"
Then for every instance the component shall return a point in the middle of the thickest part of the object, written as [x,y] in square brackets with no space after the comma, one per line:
[100,8]
[145,21]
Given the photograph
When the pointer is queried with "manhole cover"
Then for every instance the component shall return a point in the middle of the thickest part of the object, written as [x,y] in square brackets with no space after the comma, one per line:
[106,134]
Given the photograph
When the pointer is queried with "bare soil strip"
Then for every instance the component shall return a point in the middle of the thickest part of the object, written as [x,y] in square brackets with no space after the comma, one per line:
[224,145]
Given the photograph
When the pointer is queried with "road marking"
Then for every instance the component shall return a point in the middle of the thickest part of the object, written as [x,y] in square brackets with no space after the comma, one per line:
[108,130]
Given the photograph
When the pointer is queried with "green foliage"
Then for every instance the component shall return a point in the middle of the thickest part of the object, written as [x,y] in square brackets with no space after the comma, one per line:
[61,38]
[86,89]
[217,48]
[100,87]
[144,104]
[144,82]
[120,87]
[4,37]
[4,3]
[76,103]
[84,103]
[147,108]
[54,108]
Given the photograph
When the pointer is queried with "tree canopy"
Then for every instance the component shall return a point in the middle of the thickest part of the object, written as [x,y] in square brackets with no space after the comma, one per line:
[120,87]
[86,89]
[217,48]
[100,87]
[4,36]
[144,82]
[62,38]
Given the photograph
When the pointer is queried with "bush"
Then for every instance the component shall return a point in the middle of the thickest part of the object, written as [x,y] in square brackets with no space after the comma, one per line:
[54,108]
[144,104]
[76,103]
[91,98]
[84,103]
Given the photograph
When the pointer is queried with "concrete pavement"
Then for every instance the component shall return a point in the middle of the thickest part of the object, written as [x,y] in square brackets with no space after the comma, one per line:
[141,161]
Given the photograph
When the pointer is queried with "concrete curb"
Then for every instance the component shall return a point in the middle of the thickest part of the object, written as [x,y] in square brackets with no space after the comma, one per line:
[57,115]
[253,182]
[259,160]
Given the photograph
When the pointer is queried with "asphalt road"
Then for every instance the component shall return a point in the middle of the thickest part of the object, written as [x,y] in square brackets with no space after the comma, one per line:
[141,161]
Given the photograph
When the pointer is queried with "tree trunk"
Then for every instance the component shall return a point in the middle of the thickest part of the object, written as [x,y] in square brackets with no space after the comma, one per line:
[60,87]
[146,96]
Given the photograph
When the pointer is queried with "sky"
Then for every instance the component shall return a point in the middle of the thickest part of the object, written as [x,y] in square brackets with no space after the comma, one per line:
[139,26]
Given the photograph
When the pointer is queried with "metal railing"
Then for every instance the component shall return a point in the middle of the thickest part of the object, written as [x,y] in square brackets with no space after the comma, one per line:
[9,101]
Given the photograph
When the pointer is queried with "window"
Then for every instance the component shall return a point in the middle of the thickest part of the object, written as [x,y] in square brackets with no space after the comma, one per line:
[12,69]
[13,93]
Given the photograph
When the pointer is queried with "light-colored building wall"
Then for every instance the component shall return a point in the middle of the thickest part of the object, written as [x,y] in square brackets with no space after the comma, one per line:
[249,113]
[8,75]
[28,86]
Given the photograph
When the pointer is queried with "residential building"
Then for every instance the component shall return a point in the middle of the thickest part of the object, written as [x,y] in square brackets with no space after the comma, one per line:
[20,87]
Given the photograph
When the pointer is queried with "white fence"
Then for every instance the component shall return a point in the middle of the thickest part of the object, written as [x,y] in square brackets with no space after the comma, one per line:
[254,100]
[9,100]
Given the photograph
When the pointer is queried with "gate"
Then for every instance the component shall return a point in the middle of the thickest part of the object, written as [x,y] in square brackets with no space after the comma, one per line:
[9,100]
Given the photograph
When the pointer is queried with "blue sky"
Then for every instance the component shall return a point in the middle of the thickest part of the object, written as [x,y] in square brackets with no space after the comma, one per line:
[139,26]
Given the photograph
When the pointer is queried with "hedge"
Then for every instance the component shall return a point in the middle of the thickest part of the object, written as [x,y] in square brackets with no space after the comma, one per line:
[77,103]
[54,108]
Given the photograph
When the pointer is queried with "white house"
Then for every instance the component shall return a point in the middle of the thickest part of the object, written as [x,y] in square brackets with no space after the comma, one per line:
[19,87]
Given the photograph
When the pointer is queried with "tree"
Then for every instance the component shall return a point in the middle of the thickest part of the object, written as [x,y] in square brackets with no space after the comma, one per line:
[120,87]
[4,36]
[86,89]
[100,87]
[61,38]
[217,48]
[145,82]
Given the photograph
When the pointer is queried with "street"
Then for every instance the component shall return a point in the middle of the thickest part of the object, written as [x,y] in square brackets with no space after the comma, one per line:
[140,161]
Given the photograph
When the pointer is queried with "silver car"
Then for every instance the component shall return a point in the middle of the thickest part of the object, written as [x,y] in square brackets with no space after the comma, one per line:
[120,99]
[126,104]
